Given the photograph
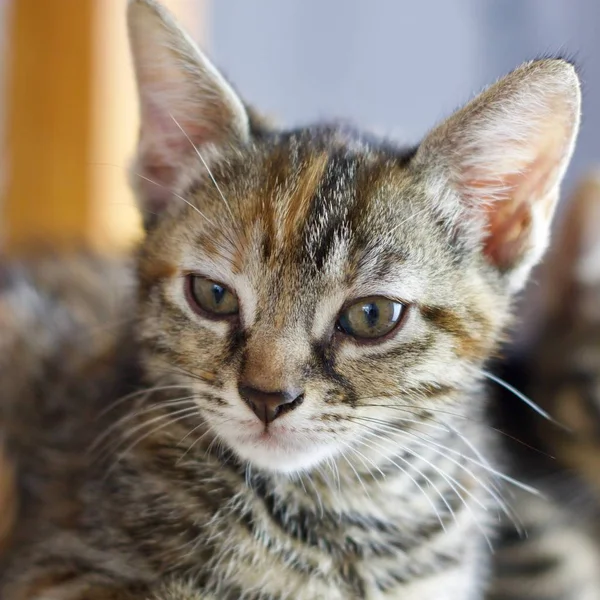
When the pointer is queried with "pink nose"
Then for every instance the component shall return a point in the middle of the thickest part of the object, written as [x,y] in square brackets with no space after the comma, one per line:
[267,406]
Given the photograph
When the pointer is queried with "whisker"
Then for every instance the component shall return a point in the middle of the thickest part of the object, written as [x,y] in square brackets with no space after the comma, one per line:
[199,439]
[409,218]
[170,422]
[358,477]
[198,153]
[492,491]
[137,393]
[319,501]
[167,415]
[176,196]
[451,481]
[513,390]
[133,415]
[429,500]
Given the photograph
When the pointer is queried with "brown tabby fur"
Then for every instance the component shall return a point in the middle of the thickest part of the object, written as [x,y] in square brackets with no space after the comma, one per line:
[560,371]
[141,472]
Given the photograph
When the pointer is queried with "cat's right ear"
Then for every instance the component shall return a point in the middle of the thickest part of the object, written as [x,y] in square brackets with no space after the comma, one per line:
[189,114]
[495,167]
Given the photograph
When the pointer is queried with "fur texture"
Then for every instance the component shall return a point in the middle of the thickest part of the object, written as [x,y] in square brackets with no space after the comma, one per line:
[143,473]
[560,558]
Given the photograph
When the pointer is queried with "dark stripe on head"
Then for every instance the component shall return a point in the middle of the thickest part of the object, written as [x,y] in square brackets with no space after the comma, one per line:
[327,216]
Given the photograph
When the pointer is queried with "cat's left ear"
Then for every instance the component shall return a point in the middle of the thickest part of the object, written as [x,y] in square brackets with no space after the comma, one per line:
[186,107]
[497,164]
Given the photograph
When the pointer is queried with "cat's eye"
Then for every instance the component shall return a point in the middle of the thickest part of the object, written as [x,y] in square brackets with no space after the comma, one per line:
[211,298]
[371,318]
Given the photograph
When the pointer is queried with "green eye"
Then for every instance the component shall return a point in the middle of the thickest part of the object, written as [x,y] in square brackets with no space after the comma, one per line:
[371,318]
[211,298]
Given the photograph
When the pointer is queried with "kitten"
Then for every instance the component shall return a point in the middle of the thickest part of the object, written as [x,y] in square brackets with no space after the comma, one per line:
[560,559]
[290,404]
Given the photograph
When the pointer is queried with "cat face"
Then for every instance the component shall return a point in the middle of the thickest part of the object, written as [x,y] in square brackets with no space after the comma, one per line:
[316,289]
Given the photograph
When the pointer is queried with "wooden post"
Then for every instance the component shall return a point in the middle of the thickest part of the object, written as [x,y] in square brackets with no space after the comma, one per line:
[48,112]
[71,122]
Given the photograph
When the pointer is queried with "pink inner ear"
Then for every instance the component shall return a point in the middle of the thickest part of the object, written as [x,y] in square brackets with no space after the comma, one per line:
[163,148]
[156,185]
[509,233]
[508,204]
[172,136]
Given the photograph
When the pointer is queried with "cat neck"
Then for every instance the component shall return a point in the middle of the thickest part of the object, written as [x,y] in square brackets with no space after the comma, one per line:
[381,503]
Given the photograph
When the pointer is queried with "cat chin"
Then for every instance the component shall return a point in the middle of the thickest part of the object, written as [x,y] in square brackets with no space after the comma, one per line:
[279,456]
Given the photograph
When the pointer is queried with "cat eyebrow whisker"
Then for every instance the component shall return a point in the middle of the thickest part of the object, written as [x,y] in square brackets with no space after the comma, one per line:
[179,196]
[409,218]
[210,174]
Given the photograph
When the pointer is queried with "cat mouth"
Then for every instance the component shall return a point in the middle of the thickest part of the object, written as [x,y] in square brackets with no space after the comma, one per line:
[269,435]
[275,447]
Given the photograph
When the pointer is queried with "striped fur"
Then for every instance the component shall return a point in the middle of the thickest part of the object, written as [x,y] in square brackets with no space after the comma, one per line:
[141,472]
[560,559]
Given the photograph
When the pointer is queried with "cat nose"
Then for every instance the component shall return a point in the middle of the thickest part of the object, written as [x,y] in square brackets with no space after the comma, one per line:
[267,406]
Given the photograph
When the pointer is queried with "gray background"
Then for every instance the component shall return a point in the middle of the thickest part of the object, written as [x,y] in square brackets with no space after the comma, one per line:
[398,66]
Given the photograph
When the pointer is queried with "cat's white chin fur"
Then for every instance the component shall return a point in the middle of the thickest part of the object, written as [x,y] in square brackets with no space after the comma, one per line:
[279,458]
[276,449]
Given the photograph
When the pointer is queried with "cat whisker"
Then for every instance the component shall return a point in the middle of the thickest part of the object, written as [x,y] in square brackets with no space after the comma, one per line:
[356,473]
[484,464]
[324,477]
[391,460]
[180,416]
[185,400]
[364,459]
[409,218]
[178,196]
[452,482]
[203,377]
[436,411]
[197,440]
[317,495]
[248,474]
[136,394]
[493,492]
[336,473]
[417,408]
[210,174]
[528,401]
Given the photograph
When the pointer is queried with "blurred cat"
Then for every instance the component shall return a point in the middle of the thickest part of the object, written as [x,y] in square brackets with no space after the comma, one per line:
[560,371]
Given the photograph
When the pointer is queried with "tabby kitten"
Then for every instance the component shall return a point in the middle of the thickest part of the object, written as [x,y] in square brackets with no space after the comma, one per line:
[560,370]
[290,403]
